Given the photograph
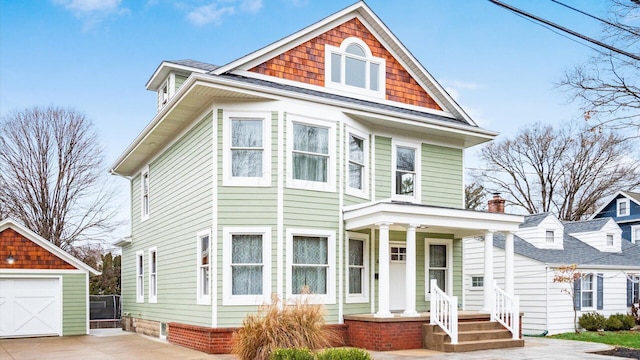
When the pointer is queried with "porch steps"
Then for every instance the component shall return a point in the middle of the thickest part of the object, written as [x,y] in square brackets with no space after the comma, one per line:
[477,334]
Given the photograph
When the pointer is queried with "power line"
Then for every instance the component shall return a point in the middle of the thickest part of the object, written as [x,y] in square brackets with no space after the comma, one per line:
[597,18]
[564,29]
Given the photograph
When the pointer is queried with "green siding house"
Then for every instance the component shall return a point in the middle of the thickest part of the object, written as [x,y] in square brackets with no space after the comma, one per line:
[327,165]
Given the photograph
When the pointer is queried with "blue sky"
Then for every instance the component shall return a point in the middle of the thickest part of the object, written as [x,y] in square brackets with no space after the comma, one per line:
[97,55]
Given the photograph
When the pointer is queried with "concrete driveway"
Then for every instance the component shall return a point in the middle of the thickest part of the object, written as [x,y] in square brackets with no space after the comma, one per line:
[112,344]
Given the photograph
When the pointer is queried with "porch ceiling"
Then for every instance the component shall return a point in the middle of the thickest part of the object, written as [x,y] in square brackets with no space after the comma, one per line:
[433,219]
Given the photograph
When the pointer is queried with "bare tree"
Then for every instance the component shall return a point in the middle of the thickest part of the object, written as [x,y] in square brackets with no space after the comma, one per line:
[569,274]
[474,196]
[53,177]
[608,86]
[564,171]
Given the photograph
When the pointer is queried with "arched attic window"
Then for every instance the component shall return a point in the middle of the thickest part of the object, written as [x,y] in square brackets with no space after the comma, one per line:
[351,67]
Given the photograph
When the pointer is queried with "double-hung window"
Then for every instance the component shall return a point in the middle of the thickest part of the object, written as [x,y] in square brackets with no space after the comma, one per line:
[246,158]
[203,267]
[357,149]
[246,265]
[623,207]
[550,237]
[635,234]
[609,239]
[153,275]
[439,258]
[406,171]
[140,276]
[586,290]
[311,265]
[144,190]
[358,263]
[352,68]
[311,155]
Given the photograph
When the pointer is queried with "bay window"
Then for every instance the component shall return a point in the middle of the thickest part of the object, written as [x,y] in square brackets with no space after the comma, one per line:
[358,265]
[311,265]
[311,154]
[203,267]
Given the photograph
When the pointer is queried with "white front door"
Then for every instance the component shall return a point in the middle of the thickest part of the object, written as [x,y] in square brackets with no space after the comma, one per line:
[397,269]
[30,307]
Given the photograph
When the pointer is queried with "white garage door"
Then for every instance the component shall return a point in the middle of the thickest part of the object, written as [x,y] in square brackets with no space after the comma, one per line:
[30,307]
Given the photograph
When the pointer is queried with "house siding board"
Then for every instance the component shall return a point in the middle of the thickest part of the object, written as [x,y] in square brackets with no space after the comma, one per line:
[74,304]
[442,176]
[383,167]
[180,79]
[180,206]
[305,63]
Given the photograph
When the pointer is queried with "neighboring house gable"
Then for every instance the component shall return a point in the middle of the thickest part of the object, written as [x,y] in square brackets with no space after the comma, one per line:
[624,208]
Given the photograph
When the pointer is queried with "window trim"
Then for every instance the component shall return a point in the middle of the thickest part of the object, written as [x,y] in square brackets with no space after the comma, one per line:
[449,268]
[417,193]
[368,58]
[140,276]
[613,240]
[227,177]
[627,203]
[364,192]
[635,239]
[592,291]
[330,185]
[153,276]
[330,296]
[145,198]
[201,298]
[364,296]
[227,281]
[553,236]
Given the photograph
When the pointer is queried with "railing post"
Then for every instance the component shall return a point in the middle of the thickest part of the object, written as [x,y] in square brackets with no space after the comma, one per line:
[432,302]
[516,318]
[453,318]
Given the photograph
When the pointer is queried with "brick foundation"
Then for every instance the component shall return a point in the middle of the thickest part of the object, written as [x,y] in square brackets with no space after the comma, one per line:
[384,336]
[205,339]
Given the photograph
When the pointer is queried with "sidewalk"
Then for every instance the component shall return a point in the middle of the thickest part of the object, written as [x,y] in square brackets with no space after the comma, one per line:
[111,344]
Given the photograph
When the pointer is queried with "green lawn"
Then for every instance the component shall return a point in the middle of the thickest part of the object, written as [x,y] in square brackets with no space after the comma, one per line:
[628,339]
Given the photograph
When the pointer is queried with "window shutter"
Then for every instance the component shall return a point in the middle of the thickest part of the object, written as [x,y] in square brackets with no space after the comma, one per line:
[576,292]
[600,299]
[629,292]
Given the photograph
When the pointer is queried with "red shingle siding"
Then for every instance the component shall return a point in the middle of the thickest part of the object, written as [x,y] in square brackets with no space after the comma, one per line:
[27,254]
[305,63]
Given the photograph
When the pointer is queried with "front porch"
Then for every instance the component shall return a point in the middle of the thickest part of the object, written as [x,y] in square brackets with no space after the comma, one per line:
[477,332]
[411,327]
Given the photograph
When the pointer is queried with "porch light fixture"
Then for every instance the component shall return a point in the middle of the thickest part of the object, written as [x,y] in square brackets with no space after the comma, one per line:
[10,259]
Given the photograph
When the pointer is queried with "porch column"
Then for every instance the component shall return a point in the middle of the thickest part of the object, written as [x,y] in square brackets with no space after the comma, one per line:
[488,271]
[508,264]
[410,273]
[383,273]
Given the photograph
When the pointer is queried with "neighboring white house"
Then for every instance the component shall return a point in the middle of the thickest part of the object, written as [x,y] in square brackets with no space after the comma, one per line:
[610,271]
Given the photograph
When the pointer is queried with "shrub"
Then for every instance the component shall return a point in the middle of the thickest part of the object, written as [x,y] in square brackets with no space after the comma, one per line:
[613,324]
[591,321]
[626,322]
[291,354]
[279,325]
[343,354]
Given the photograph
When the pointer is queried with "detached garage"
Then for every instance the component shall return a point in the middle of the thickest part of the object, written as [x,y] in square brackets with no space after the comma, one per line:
[44,291]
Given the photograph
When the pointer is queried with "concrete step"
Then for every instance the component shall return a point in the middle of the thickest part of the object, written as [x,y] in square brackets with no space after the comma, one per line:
[475,326]
[474,335]
[483,345]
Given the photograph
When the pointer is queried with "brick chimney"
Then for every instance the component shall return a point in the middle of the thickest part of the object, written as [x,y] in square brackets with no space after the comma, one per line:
[496,205]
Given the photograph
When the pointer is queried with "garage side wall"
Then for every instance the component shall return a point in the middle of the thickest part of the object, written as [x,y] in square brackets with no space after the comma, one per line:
[74,304]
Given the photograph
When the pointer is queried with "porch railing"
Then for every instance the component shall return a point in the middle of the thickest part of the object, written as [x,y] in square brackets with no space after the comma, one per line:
[444,311]
[506,310]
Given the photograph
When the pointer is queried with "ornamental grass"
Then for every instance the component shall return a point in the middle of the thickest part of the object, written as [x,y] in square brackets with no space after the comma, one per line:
[296,324]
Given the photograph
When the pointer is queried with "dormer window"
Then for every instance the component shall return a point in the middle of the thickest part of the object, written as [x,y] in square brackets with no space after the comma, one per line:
[353,68]
[550,237]
[623,207]
[609,240]
[164,93]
